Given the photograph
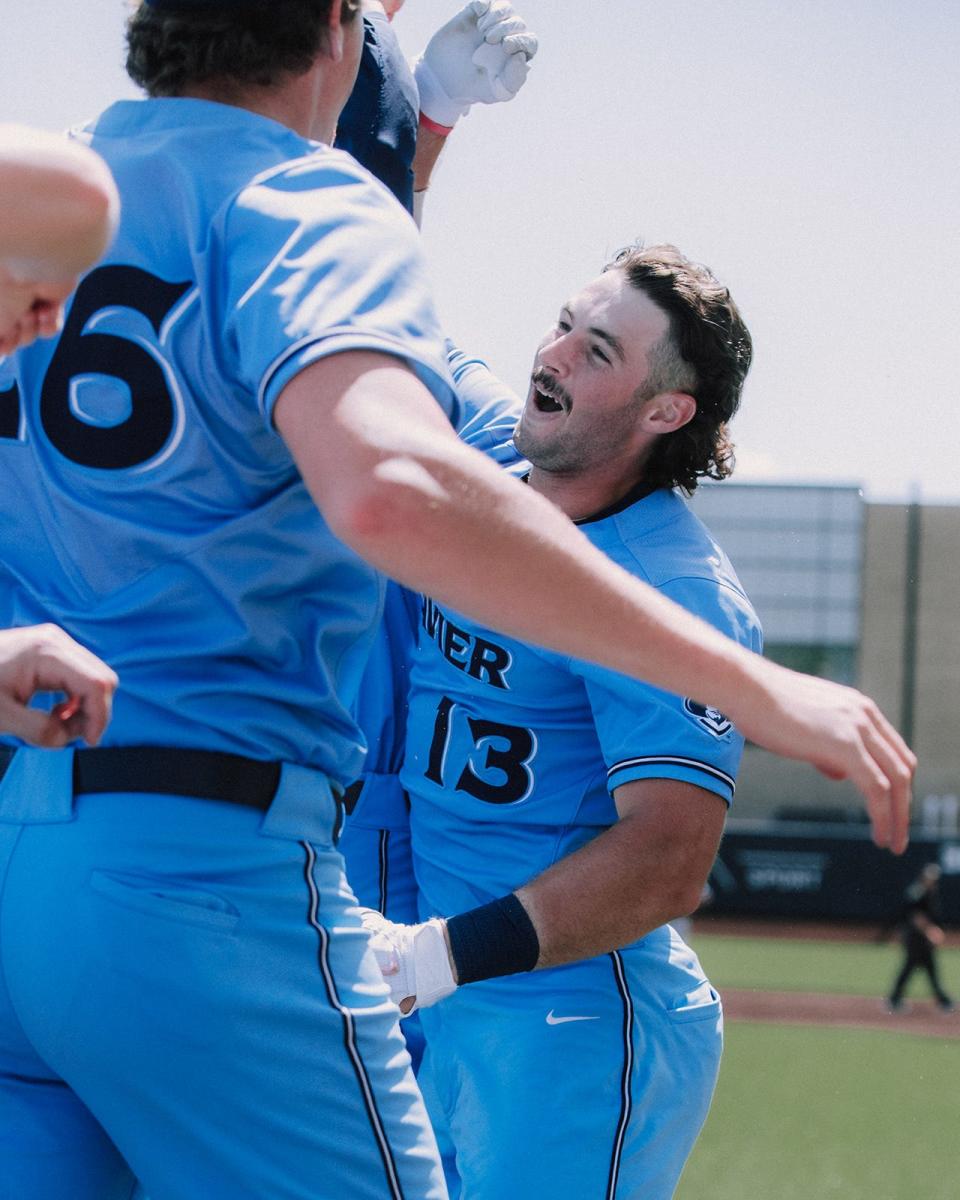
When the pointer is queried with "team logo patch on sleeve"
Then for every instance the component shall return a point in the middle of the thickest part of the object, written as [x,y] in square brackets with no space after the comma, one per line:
[712,719]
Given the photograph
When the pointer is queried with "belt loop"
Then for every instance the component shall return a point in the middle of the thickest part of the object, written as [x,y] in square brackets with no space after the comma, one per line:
[304,808]
[341,817]
[6,758]
[37,787]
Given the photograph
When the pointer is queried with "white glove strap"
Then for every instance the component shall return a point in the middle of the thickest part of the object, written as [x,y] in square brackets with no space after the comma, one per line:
[434,101]
[433,977]
[413,959]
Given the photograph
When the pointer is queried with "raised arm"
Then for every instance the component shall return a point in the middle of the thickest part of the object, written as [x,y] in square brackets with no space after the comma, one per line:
[481,56]
[396,485]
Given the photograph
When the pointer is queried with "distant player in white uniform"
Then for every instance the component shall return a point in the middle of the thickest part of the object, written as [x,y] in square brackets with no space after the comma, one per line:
[565,811]
[244,420]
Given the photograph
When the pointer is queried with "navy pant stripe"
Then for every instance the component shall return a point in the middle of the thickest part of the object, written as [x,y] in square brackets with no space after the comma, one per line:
[384,845]
[626,1096]
[349,1030]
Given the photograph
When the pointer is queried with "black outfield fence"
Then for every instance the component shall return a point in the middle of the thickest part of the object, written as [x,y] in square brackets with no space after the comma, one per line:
[829,871]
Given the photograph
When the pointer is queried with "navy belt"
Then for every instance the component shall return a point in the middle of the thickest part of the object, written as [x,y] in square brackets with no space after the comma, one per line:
[173,770]
[203,774]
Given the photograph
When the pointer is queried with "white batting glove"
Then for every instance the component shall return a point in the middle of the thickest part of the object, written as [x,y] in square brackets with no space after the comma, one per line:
[481,56]
[413,960]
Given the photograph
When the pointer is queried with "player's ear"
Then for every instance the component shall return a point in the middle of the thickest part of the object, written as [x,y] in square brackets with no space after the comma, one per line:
[341,13]
[667,411]
[335,32]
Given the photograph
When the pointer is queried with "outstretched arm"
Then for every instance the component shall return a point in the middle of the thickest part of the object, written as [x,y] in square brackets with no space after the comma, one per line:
[397,486]
[42,658]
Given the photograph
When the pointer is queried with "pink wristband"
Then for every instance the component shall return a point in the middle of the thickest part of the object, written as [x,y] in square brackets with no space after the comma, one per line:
[435,126]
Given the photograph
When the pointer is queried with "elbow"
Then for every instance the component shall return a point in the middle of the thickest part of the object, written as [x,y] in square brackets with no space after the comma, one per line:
[685,896]
[395,504]
[687,899]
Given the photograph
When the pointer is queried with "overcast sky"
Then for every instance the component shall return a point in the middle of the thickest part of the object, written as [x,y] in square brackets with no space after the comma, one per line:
[809,153]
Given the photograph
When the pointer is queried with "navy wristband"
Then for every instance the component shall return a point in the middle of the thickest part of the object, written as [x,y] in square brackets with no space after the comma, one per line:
[495,939]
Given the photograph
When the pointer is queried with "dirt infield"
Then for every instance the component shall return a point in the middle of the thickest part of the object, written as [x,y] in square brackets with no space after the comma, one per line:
[920,1017]
[816,931]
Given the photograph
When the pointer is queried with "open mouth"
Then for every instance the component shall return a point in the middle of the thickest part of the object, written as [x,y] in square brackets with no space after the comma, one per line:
[548,396]
[545,403]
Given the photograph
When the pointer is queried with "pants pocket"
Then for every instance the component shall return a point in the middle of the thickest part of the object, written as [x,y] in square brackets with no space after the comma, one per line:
[704,1004]
[165,898]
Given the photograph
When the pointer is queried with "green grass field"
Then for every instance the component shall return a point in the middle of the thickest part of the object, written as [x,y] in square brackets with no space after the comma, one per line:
[812,1114]
[803,966]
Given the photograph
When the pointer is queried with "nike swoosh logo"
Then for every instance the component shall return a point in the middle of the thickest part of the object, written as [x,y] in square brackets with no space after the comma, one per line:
[552,1020]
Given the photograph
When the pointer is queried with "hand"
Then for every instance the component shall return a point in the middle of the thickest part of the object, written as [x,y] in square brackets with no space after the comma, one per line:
[29,309]
[413,959]
[389,8]
[43,658]
[841,732]
[481,56]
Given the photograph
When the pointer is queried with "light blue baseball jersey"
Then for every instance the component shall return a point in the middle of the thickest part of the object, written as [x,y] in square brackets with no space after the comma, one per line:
[150,507]
[513,752]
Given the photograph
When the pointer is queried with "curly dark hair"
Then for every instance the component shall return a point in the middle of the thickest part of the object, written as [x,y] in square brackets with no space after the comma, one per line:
[172,46]
[705,353]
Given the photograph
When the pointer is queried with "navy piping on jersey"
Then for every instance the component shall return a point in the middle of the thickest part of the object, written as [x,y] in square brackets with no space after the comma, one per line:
[639,492]
[673,760]
[626,1093]
[384,844]
[349,1030]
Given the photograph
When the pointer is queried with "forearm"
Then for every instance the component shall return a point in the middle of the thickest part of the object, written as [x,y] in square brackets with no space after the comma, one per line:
[601,898]
[629,880]
[429,145]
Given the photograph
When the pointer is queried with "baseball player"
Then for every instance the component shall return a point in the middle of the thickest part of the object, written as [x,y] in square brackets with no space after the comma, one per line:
[58,211]
[243,421]
[562,813]
[920,935]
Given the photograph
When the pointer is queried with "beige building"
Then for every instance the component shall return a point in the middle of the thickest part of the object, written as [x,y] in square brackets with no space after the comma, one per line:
[864,593]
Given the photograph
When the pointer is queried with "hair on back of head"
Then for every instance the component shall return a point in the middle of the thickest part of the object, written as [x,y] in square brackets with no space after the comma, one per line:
[169,49]
[705,353]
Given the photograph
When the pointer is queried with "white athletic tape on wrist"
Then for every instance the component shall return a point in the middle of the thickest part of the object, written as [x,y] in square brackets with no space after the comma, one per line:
[413,959]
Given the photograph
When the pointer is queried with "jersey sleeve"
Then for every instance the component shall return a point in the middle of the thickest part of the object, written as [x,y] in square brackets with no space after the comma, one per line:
[489,410]
[317,259]
[647,733]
